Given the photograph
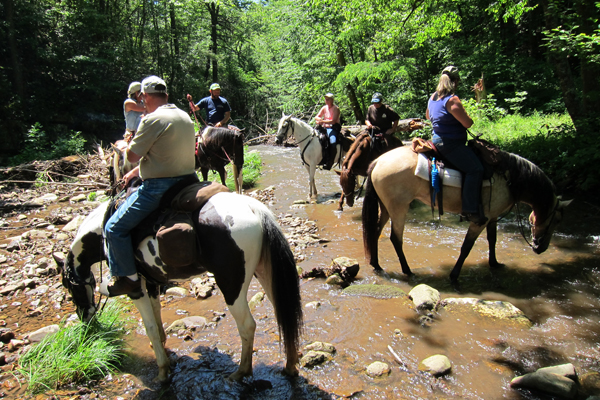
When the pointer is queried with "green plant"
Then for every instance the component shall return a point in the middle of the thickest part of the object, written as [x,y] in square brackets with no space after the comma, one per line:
[41,179]
[485,109]
[92,196]
[516,103]
[76,353]
[39,146]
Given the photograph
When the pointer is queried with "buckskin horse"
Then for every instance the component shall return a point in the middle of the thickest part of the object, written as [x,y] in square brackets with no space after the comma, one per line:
[357,160]
[216,148]
[392,185]
[239,238]
[311,151]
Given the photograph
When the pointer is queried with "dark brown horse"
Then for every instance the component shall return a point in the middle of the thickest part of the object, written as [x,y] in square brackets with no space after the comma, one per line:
[364,150]
[216,148]
[392,185]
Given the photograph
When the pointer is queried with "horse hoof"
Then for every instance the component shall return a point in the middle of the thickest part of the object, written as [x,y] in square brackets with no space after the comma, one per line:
[497,265]
[237,376]
[291,371]
[162,378]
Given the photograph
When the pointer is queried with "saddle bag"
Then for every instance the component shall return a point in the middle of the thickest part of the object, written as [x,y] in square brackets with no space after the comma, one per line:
[488,152]
[177,241]
[420,145]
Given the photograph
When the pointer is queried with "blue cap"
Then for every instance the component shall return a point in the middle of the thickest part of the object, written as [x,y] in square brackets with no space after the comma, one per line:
[377,98]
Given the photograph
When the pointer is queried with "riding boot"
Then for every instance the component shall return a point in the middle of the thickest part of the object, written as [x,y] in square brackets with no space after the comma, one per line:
[479,218]
[325,155]
[332,151]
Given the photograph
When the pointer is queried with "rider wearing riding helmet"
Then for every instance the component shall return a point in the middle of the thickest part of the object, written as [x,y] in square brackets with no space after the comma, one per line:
[450,122]
[329,118]
[133,109]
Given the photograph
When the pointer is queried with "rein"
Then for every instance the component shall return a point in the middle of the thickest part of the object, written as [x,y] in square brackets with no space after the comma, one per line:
[549,223]
[521,225]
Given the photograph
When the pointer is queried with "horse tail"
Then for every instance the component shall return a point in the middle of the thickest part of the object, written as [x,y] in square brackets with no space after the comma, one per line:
[284,282]
[370,216]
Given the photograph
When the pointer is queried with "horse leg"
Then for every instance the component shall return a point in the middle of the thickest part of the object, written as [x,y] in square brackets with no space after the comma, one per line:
[144,306]
[472,235]
[246,327]
[396,236]
[492,233]
[154,294]
[236,173]
[341,202]
[384,217]
[204,172]
[223,175]
[312,188]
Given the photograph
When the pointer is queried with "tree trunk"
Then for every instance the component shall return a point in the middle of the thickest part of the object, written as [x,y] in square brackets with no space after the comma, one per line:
[175,60]
[213,9]
[358,113]
[17,70]
[562,70]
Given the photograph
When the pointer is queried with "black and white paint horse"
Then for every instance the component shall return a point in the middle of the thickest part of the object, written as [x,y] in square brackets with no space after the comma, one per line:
[239,238]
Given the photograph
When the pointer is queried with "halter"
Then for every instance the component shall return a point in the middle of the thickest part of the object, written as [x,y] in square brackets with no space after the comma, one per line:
[554,210]
[297,143]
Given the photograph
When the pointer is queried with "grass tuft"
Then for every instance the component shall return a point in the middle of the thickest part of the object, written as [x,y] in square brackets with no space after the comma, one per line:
[76,353]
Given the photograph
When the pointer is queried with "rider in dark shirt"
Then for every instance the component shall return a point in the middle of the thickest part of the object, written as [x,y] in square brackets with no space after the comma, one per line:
[217,108]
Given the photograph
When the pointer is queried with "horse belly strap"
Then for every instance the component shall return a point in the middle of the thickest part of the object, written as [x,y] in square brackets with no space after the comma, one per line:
[193,197]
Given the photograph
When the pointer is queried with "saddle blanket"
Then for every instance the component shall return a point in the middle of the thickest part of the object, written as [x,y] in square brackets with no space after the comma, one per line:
[451,177]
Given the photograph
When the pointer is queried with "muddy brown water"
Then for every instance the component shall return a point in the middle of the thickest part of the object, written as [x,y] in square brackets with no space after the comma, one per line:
[558,290]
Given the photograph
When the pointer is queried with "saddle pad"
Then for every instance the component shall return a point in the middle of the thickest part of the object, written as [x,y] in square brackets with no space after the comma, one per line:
[194,196]
[451,177]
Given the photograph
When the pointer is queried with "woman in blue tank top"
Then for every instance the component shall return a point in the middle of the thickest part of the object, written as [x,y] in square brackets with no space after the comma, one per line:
[450,122]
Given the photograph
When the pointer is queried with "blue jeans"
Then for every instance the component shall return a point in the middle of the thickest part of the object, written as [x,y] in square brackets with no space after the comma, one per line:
[332,135]
[137,206]
[467,162]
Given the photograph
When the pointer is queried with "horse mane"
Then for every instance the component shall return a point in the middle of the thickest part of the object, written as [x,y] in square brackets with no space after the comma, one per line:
[362,140]
[218,136]
[303,124]
[528,181]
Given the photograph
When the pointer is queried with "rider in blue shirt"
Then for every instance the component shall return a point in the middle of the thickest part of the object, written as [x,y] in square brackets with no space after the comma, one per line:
[217,107]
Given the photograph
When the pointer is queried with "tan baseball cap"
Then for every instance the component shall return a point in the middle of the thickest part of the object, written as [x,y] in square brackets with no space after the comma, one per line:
[154,84]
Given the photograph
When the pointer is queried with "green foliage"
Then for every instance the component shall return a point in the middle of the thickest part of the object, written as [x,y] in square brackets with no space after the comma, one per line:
[486,109]
[92,196]
[76,353]
[251,171]
[39,146]
[550,142]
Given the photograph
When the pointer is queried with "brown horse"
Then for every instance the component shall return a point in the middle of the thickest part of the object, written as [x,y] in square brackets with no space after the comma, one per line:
[392,186]
[364,150]
[216,148]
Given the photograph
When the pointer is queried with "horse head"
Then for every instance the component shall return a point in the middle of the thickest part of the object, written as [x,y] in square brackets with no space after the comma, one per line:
[348,184]
[542,230]
[283,129]
[81,290]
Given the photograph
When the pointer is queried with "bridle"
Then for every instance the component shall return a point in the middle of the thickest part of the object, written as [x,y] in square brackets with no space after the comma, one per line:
[553,216]
[287,128]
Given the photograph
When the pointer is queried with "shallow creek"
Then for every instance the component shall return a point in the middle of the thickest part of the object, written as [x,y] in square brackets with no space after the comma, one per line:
[558,290]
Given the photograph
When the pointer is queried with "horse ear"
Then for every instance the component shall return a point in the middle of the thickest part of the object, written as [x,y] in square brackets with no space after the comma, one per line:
[337,171]
[565,203]
[282,114]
